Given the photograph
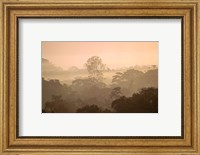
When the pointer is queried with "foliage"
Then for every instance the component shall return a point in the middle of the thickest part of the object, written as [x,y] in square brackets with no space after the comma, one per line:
[144,101]
[57,105]
[95,68]
[82,92]
[92,91]
[130,91]
[92,109]
[55,88]
[87,82]
[116,93]
[133,80]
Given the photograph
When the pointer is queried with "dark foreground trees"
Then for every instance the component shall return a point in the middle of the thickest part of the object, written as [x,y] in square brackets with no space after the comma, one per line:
[85,96]
[57,105]
[146,101]
[92,109]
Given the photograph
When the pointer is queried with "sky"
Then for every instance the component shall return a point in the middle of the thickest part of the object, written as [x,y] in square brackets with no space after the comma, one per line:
[114,54]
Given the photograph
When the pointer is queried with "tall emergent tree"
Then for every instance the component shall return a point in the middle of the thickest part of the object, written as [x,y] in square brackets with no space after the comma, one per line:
[95,68]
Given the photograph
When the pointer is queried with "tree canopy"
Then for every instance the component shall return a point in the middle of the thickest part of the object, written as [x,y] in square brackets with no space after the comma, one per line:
[95,67]
[146,100]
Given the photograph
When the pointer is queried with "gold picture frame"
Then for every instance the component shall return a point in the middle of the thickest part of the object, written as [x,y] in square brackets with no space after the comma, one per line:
[188,11]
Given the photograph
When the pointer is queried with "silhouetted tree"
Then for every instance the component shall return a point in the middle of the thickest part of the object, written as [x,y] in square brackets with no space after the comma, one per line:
[133,80]
[146,101]
[116,93]
[87,82]
[54,87]
[117,77]
[93,95]
[57,105]
[95,67]
[92,109]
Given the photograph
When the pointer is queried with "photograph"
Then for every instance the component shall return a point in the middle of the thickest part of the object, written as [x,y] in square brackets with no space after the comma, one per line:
[99,76]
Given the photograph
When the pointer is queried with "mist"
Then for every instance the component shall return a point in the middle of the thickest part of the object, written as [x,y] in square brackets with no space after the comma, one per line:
[97,88]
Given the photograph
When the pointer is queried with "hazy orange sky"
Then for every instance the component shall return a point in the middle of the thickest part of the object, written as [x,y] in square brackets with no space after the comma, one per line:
[113,54]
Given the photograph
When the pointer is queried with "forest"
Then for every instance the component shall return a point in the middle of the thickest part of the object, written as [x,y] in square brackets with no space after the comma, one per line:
[129,90]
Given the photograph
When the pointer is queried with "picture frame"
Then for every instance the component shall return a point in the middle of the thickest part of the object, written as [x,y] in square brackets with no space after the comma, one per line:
[12,10]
